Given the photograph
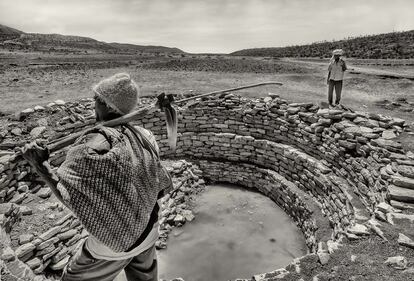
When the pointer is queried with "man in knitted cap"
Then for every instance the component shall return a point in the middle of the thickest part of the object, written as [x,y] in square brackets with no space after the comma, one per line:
[336,70]
[111,180]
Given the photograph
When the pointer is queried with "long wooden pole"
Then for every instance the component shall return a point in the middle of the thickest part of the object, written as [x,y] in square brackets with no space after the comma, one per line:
[68,140]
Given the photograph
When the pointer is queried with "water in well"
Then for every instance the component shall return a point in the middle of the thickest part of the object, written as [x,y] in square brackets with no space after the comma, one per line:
[236,233]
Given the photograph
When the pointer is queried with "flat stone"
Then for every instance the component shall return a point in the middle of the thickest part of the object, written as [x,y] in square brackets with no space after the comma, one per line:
[323,257]
[27,111]
[358,130]
[405,241]
[50,233]
[44,192]
[60,255]
[23,188]
[359,229]
[16,131]
[7,254]
[37,131]
[401,194]
[25,238]
[61,264]
[39,108]
[188,215]
[397,262]
[397,121]
[396,217]
[402,206]
[26,211]
[18,198]
[46,251]
[47,243]
[388,134]
[24,249]
[67,235]
[381,142]
[34,263]
[73,240]
[51,254]
[403,182]
[385,208]
[63,219]
[179,219]
[406,171]
[59,102]
[20,270]
[7,208]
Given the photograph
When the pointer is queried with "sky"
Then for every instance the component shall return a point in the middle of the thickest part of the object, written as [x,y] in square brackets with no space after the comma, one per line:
[213,26]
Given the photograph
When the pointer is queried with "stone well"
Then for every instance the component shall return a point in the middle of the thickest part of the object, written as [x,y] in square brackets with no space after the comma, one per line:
[328,169]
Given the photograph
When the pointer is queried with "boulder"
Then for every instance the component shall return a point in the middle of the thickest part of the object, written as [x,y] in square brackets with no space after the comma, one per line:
[397,262]
[37,131]
[44,192]
[405,241]
[25,238]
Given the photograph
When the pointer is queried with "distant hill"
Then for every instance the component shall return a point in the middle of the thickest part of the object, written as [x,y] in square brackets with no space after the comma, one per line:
[145,49]
[395,45]
[13,39]
[7,33]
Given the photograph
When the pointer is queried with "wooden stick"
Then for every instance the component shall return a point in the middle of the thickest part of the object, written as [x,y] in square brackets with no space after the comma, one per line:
[68,140]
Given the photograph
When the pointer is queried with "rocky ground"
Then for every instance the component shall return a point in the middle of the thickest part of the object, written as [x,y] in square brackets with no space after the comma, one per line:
[39,233]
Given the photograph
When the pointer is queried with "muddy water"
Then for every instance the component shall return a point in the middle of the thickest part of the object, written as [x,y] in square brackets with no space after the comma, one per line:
[236,233]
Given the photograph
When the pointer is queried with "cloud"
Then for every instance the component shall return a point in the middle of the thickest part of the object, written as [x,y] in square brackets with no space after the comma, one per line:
[209,25]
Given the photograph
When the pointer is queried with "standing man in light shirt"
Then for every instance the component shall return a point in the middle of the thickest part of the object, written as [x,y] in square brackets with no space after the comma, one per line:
[336,70]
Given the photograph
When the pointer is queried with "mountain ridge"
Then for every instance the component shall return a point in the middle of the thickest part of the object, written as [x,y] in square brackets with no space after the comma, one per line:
[392,45]
[13,39]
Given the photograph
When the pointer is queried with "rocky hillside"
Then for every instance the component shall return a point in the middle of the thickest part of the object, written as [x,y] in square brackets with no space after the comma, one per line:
[395,45]
[8,33]
[12,39]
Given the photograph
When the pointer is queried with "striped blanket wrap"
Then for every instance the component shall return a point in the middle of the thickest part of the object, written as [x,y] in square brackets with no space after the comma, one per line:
[114,193]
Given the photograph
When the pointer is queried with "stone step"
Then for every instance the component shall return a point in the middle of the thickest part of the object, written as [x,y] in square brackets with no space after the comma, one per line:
[401,194]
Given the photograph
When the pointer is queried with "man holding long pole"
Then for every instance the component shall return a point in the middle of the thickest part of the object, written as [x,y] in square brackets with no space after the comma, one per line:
[111,180]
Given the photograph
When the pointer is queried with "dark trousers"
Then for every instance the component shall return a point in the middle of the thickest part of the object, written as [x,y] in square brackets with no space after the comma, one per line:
[338,90]
[84,267]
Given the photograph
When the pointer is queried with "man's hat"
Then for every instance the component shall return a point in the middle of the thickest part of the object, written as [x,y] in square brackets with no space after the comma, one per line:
[119,92]
[337,52]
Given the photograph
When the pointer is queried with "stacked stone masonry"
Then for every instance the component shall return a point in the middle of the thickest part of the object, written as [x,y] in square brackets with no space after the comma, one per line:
[305,158]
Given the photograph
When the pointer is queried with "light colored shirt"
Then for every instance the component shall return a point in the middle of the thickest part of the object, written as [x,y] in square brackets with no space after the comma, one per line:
[337,70]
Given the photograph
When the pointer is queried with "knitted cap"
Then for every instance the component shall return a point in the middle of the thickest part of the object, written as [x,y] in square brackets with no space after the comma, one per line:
[119,92]
[337,52]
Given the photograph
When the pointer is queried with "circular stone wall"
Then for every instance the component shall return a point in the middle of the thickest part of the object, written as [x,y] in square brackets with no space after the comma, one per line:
[328,169]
